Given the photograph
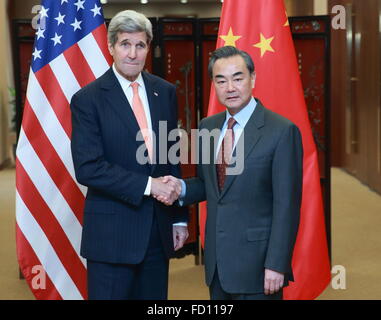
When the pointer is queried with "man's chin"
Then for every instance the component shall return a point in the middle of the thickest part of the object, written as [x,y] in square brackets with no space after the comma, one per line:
[232,106]
[233,103]
[131,76]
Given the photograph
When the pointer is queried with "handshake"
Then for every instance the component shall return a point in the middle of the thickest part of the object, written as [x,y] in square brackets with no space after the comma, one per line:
[166,189]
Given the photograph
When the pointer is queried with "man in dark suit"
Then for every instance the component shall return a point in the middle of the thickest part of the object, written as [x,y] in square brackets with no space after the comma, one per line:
[128,236]
[254,201]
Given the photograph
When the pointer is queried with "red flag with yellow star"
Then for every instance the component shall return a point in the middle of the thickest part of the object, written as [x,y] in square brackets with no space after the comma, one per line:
[260,27]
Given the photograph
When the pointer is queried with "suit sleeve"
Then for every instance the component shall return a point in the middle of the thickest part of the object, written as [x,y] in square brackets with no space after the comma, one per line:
[180,214]
[91,167]
[287,182]
[195,187]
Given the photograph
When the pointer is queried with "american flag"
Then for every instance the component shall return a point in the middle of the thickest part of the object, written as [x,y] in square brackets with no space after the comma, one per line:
[70,51]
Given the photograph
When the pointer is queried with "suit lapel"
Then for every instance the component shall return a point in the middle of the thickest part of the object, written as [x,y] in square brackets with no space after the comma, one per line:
[118,101]
[153,96]
[249,138]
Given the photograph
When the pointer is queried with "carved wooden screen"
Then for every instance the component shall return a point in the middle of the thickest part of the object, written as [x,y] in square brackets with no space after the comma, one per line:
[22,41]
[177,43]
[208,31]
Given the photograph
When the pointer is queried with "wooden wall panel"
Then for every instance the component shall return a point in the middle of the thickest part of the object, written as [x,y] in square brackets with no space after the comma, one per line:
[338,47]
[299,7]
[355,97]
[176,39]
[370,91]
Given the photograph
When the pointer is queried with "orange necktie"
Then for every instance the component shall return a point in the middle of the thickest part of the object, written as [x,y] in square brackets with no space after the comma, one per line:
[137,107]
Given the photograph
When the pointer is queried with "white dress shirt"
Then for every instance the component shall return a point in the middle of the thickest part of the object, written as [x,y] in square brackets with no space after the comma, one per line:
[242,118]
[127,89]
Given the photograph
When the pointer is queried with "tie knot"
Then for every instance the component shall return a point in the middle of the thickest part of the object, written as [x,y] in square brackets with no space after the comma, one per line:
[231,123]
[134,86]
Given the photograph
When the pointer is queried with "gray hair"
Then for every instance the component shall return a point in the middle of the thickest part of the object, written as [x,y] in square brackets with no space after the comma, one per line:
[129,21]
[230,51]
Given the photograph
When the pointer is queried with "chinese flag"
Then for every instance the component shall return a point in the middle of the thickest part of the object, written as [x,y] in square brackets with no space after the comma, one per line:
[260,27]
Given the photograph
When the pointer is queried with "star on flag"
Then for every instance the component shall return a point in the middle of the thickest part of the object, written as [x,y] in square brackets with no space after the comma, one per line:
[79,4]
[36,54]
[60,18]
[56,39]
[286,23]
[230,38]
[76,24]
[40,33]
[96,10]
[264,44]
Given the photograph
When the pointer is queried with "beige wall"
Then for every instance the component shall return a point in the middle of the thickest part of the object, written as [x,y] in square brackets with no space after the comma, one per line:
[320,7]
[21,9]
[6,81]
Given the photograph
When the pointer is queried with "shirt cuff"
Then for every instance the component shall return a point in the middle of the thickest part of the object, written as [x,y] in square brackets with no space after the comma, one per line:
[181,224]
[183,188]
[147,191]
[183,193]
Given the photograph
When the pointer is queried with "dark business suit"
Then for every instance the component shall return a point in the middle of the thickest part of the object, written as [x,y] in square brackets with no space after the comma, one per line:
[119,221]
[252,224]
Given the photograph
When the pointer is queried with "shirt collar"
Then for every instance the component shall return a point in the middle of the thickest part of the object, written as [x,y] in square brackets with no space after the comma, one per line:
[244,115]
[126,83]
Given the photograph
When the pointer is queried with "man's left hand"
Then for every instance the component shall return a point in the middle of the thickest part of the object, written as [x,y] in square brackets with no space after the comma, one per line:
[180,235]
[273,281]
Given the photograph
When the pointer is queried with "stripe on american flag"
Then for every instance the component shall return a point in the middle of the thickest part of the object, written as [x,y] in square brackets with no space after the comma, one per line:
[93,55]
[53,190]
[65,76]
[98,36]
[54,226]
[49,200]
[55,97]
[79,65]
[45,252]
[48,121]
[31,259]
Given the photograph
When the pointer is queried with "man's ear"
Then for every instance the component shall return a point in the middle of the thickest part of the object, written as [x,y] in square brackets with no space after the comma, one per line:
[110,48]
[253,77]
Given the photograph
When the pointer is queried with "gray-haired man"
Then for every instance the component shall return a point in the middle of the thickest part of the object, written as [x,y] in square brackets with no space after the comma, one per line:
[253,216]
[128,236]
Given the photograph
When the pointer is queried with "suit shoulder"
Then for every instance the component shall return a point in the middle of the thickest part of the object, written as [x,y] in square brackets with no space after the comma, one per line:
[209,122]
[277,120]
[162,82]
[92,88]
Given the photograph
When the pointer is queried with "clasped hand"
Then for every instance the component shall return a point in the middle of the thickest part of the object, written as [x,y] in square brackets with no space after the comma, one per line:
[166,189]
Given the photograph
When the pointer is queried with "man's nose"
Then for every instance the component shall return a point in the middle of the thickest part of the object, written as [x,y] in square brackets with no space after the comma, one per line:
[132,52]
[230,86]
